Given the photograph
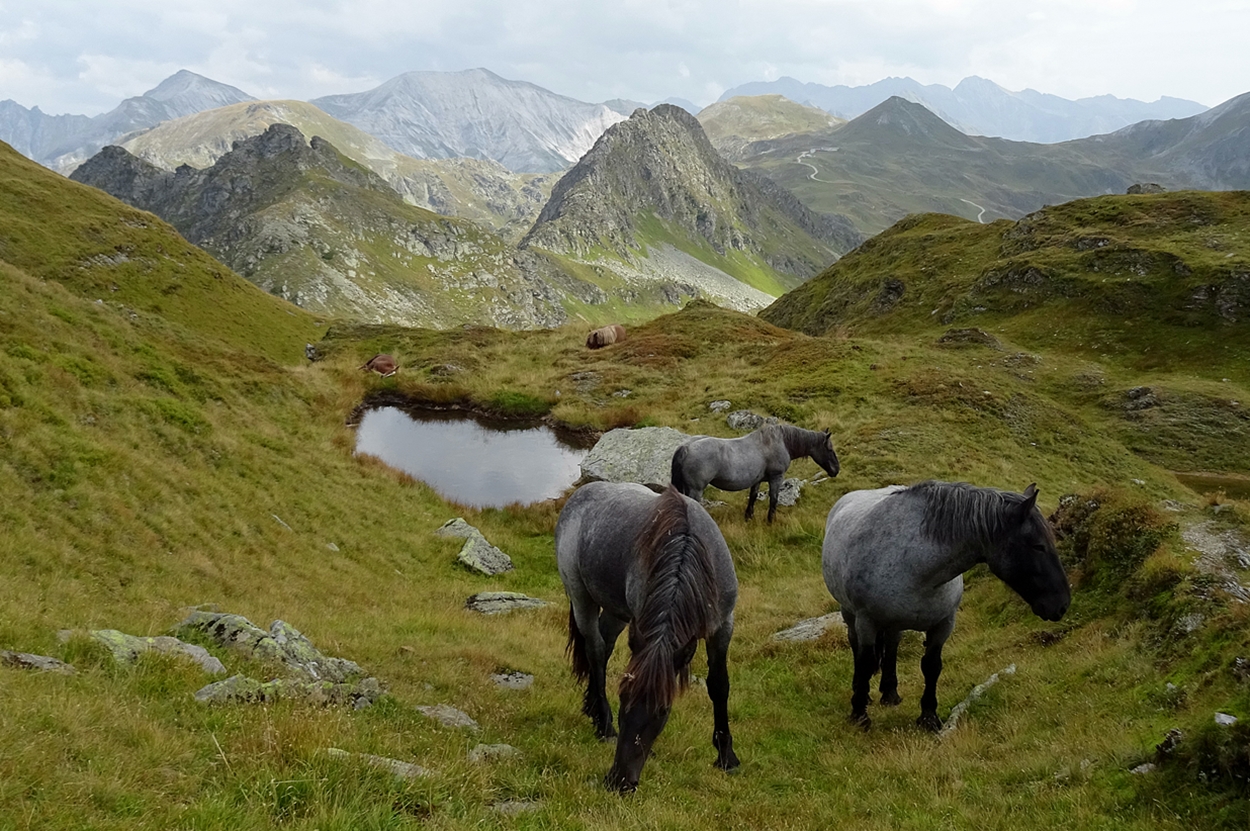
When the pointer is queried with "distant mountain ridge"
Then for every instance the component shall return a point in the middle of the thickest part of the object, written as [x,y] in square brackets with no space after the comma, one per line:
[977,106]
[308,224]
[63,141]
[475,113]
[901,158]
[656,180]
[480,190]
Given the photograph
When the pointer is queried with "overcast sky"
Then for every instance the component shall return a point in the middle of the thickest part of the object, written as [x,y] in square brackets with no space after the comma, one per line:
[84,56]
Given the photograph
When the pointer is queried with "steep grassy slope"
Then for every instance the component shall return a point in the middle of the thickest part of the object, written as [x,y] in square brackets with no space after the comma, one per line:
[1146,282]
[148,466]
[129,259]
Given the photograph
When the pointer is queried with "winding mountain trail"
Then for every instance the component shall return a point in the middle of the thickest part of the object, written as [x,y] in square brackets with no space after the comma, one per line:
[812,152]
[981,215]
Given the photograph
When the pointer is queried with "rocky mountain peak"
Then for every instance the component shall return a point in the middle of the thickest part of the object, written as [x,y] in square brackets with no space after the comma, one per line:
[659,164]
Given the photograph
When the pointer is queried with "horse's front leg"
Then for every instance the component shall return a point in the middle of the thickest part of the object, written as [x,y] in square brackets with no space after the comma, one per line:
[774,491]
[754,495]
[931,666]
[718,691]
[889,669]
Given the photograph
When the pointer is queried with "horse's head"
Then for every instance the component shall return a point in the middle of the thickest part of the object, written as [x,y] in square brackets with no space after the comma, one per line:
[1028,562]
[823,455]
[644,712]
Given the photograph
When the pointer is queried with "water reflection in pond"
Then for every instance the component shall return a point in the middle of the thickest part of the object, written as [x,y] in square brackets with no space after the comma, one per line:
[1234,487]
[469,460]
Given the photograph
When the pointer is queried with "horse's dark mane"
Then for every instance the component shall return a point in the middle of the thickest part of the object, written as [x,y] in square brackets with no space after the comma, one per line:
[798,441]
[955,512]
[681,594]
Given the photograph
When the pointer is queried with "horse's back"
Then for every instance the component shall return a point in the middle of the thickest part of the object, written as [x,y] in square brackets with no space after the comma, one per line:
[873,558]
[596,536]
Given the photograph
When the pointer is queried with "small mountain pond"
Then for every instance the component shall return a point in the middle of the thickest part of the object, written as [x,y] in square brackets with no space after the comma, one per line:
[472,460]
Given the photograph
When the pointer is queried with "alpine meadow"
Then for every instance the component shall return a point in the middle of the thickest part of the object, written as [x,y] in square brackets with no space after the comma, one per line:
[178,459]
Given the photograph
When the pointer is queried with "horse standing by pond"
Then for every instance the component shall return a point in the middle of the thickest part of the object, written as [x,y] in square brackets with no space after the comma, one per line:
[894,559]
[738,464]
[659,564]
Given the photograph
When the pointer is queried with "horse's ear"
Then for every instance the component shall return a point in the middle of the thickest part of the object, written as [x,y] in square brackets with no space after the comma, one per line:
[1030,501]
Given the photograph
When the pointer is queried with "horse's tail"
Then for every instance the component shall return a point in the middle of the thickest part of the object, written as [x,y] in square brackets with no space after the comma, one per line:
[678,472]
[576,649]
[681,596]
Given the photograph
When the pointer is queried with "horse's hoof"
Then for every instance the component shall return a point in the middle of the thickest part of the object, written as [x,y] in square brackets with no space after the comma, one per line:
[930,722]
[860,720]
[614,782]
[606,735]
[729,764]
[891,699]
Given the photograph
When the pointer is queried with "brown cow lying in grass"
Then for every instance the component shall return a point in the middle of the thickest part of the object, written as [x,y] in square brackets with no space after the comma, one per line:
[606,335]
[383,364]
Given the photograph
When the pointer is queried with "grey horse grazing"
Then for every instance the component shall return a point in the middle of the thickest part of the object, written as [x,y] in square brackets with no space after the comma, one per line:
[894,559]
[738,464]
[659,564]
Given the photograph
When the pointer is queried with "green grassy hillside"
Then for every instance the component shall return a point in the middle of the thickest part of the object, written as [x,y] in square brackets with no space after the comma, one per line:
[99,249]
[149,465]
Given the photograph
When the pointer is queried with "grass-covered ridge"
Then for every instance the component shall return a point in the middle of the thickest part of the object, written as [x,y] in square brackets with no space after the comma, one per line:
[148,466]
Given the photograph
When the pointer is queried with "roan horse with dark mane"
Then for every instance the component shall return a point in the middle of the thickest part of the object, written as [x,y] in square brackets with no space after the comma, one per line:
[894,559]
[659,564]
[738,464]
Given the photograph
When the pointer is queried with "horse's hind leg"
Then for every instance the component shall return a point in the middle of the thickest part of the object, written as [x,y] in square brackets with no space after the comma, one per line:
[888,644]
[754,495]
[864,642]
[718,691]
[595,704]
[931,666]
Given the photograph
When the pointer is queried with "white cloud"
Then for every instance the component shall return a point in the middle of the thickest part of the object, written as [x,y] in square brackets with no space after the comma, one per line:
[647,50]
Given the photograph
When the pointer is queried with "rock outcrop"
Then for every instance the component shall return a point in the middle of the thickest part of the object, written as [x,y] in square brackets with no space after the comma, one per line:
[644,455]
[477,554]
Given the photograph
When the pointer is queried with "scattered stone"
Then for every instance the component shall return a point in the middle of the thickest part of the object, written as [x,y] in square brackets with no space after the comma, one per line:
[477,554]
[744,421]
[623,393]
[445,370]
[501,603]
[403,770]
[332,547]
[1140,398]
[1141,483]
[512,807]
[448,716]
[1171,740]
[513,680]
[788,495]
[283,644]
[239,689]
[952,721]
[1225,720]
[1241,669]
[1146,187]
[719,406]
[1145,767]
[969,337]
[487,752]
[811,628]
[644,455]
[587,380]
[126,649]
[40,663]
